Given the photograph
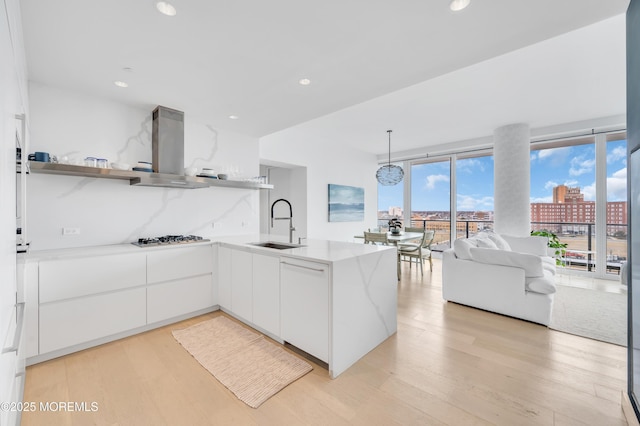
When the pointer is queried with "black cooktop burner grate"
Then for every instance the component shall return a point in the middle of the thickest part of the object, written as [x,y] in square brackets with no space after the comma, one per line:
[168,239]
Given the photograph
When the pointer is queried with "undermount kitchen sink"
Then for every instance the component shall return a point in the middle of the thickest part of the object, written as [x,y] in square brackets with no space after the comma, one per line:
[276,245]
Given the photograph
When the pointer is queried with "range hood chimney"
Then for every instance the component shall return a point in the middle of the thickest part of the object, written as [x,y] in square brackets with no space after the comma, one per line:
[167,152]
[167,141]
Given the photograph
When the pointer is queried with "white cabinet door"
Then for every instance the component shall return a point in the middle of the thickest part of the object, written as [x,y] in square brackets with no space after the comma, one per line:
[266,293]
[242,284]
[180,262]
[304,306]
[82,319]
[224,277]
[67,278]
[178,297]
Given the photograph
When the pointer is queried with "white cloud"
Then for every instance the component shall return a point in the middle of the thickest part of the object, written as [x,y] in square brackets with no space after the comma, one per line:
[580,165]
[617,186]
[550,184]
[554,156]
[468,202]
[571,183]
[618,153]
[534,155]
[469,165]
[622,173]
[589,192]
[433,179]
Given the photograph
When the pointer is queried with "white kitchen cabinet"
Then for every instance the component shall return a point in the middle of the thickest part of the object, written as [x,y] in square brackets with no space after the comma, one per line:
[174,264]
[224,277]
[304,305]
[87,298]
[82,319]
[242,284]
[180,281]
[178,297]
[266,293]
[62,279]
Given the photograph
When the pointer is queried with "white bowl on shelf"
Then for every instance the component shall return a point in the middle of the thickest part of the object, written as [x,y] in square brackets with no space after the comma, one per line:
[120,166]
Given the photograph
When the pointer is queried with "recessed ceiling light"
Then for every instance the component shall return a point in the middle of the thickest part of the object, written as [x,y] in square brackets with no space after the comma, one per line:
[457,5]
[304,81]
[120,83]
[233,117]
[166,8]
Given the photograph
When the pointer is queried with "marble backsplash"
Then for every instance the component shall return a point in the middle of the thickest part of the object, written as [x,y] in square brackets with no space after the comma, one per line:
[111,211]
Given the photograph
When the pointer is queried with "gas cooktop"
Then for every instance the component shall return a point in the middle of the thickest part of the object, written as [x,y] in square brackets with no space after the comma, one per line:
[168,240]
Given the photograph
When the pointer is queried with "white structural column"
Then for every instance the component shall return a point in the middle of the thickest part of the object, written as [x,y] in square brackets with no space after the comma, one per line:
[511,154]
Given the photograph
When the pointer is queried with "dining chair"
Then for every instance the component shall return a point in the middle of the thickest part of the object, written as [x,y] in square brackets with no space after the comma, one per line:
[376,238]
[418,251]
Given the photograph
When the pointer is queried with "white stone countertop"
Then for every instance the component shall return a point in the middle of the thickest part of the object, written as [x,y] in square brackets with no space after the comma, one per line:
[312,249]
[318,250]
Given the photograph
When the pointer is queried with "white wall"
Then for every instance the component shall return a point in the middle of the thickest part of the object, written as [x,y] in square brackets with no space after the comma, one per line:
[325,163]
[109,211]
[289,183]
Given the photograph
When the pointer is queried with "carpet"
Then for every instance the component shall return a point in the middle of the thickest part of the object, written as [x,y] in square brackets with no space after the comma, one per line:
[251,367]
[594,314]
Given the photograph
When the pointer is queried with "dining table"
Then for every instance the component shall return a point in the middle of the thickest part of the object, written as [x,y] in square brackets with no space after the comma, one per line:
[399,238]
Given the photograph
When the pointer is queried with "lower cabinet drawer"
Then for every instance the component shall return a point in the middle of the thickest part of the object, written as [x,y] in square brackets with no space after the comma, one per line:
[70,322]
[168,300]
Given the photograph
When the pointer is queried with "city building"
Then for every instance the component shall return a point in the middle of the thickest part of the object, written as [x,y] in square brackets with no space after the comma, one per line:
[570,214]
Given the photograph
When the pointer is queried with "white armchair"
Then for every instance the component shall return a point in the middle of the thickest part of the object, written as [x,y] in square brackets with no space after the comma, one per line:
[507,275]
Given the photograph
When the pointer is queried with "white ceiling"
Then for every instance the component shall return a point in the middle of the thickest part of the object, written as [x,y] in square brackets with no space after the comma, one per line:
[245,57]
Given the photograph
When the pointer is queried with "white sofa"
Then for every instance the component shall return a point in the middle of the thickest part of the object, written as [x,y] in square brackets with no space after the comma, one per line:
[508,275]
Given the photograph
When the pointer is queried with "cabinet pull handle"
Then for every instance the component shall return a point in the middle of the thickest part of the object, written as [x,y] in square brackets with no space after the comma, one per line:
[304,267]
[18,335]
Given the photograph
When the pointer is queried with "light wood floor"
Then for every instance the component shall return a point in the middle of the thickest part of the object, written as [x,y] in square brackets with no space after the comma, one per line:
[448,364]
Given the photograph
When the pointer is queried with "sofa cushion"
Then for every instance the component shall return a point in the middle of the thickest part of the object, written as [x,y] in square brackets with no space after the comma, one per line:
[544,285]
[549,264]
[500,242]
[461,247]
[486,243]
[531,263]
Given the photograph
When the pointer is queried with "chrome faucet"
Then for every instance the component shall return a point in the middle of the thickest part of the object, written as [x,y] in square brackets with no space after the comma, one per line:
[289,218]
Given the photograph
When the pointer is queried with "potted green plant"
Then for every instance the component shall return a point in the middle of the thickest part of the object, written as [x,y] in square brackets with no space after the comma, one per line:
[395,225]
[558,248]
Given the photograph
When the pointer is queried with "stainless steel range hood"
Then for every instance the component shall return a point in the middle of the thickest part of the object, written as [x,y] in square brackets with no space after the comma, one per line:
[167,149]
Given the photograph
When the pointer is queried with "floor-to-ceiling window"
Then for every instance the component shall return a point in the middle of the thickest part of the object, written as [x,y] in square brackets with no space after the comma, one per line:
[430,199]
[474,194]
[563,193]
[578,192]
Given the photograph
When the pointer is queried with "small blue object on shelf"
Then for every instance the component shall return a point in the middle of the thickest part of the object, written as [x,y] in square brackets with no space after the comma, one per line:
[140,169]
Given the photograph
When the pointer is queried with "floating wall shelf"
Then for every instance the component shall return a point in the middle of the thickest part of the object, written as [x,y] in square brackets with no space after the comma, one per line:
[142,178]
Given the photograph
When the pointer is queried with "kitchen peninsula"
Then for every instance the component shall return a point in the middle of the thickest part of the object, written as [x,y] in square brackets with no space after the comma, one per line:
[333,300]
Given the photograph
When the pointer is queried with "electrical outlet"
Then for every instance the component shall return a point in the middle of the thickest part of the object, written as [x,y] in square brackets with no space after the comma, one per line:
[70,231]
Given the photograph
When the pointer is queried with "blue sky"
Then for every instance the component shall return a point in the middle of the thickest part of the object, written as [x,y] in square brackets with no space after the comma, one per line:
[571,166]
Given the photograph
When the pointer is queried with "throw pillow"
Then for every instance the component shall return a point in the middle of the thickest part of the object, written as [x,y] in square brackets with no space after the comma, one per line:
[487,243]
[531,263]
[461,247]
[500,242]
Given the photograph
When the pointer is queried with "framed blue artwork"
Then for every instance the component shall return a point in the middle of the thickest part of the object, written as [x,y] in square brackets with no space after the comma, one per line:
[346,203]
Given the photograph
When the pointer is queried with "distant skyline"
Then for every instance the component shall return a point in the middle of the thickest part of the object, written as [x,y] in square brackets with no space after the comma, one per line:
[573,166]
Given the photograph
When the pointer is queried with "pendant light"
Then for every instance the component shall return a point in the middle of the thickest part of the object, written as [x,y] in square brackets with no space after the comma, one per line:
[389,174]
